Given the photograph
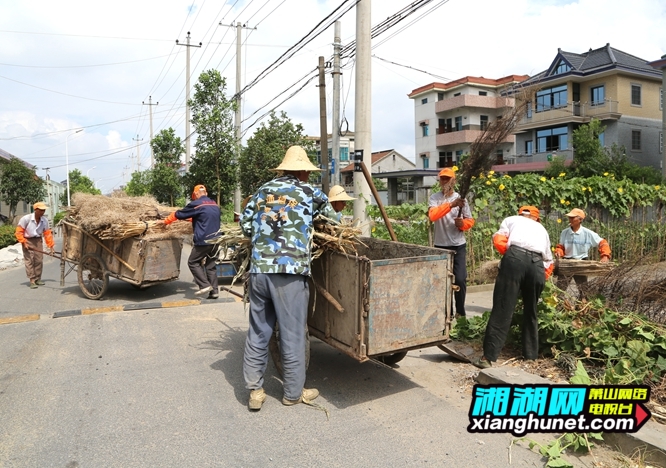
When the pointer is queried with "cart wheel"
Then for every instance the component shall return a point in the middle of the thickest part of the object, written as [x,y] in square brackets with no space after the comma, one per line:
[391,359]
[274,348]
[93,279]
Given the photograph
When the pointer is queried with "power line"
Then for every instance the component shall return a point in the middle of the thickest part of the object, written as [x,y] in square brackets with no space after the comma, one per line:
[412,68]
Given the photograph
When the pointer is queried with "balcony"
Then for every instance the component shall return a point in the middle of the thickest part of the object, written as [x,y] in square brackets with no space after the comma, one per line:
[573,112]
[446,138]
[535,162]
[473,100]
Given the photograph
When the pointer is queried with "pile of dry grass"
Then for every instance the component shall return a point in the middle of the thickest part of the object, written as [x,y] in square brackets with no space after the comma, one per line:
[487,272]
[124,217]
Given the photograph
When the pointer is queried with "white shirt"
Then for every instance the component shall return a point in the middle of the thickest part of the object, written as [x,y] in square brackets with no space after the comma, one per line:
[577,244]
[447,233]
[32,229]
[528,234]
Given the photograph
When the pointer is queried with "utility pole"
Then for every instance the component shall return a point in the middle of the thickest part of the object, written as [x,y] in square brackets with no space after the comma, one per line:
[187,101]
[150,106]
[335,125]
[362,112]
[237,120]
[138,155]
[323,139]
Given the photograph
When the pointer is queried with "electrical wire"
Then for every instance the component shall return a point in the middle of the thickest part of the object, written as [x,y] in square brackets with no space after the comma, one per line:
[412,68]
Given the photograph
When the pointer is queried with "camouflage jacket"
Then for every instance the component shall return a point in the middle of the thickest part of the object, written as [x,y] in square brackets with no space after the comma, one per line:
[278,220]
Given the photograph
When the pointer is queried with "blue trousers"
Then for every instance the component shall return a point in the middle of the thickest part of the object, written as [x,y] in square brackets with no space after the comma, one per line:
[282,298]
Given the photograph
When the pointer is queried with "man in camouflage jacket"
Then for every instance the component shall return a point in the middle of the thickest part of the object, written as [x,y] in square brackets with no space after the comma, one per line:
[278,220]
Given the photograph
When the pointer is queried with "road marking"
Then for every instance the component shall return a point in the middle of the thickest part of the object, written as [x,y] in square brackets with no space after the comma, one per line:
[181,303]
[19,319]
[102,310]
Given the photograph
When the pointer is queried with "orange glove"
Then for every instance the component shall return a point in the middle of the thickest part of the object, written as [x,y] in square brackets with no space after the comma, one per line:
[48,237]
[19,234]
[499,242]
[467,224]
[549,270]
[604,249]
[171,218]
[436,212]
[559,250]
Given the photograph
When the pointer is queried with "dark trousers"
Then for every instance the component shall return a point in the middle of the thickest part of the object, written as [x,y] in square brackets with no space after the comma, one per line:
[519,273]
[460,275]
[202,263]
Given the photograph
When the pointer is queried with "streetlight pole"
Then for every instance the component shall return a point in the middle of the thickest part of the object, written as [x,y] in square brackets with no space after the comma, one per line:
[88,171]
[69,203]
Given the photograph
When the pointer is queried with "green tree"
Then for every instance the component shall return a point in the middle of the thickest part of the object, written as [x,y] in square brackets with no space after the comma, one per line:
[20,183]
[78,183]
[213,164]
[589,156]
[167,148]
[266,148]
[165,183]
[556,167]
[139,184]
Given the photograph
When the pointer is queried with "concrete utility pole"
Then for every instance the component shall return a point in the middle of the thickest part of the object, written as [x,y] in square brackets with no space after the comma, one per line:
[150,106]
[138,155]
[335,125]
[187,101]
[323,139]
[362,112]
[237,120]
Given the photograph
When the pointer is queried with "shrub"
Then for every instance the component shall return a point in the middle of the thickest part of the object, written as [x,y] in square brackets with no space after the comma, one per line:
[7,236]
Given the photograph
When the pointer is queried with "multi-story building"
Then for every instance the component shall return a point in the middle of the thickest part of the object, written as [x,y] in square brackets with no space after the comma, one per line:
[342,159]
[621,90]
[449,117]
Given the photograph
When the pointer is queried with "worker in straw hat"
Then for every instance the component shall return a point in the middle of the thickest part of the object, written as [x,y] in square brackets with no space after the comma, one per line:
[575,243]
[526,264]
[29,232]
[452,217]
[205,216]
[338,198]
[278,219]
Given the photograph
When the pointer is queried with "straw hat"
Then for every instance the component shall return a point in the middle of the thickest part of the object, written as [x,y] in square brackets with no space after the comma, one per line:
[337,193]
[296,159]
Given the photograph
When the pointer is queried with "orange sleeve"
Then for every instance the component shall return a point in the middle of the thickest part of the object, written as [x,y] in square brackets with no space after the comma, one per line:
[19,234]
[48,237]
[559,250]
[468,223]
[436,212]
[499,242]
[549,270]
[604,248]
[171,218]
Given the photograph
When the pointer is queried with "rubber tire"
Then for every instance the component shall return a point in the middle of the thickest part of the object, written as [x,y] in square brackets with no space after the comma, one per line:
[92,275]
[274,348]
[392,359]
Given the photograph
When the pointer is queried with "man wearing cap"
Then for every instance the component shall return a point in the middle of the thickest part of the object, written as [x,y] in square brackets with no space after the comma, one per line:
[278,219]
[526,264]
[29,232]
[338,198]
[575,243]
[205,215]
[452,217]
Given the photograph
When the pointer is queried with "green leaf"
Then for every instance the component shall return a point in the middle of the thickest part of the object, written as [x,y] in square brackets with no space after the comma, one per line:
[610,351]
[559,463]
[626,321]
[580,377]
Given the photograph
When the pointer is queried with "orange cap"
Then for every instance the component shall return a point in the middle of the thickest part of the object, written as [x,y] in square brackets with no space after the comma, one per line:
[530,210]
[39,206]
[196,192]
[446,172]
[576,212]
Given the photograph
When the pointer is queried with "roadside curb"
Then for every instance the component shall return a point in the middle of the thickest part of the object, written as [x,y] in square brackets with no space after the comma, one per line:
[131,307]
[19,319]
[476,288]
[649,441]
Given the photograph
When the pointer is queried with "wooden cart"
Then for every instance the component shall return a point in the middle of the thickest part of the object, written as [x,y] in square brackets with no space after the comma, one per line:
[137,261]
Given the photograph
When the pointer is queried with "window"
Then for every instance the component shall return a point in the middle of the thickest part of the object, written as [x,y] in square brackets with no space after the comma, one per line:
[635,95]
[484,122]
[458,123]
[661,142]
[597,95]
[635,140]
[602,138]
[445,159]
[424,101]
[562,67]
[552,139]
[459,154]
[551,98]
[529,147]
[661,98]
[483,93]
[424,129]
[426,161]
[529,110]
[344,154]
[456,94]
[440,96]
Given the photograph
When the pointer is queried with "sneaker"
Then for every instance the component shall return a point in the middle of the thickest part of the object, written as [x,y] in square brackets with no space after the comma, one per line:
[213,295]
[257,398]
[33,286]
[482,363]
[307,395]
[40,283]
[203,291]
